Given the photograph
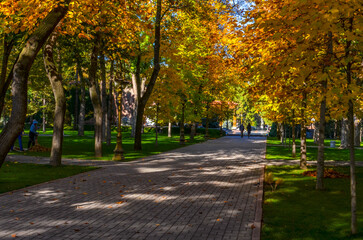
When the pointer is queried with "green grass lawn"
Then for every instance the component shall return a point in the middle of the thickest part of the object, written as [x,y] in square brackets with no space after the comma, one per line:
[78,147]
[284,153]
[309,142]
[19,175]
[296,211]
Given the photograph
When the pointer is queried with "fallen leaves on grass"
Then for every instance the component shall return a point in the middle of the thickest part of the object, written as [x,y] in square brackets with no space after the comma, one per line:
[328,173]
[39,148]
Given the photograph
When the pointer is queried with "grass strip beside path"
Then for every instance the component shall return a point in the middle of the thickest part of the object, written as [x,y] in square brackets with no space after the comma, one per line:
[15,175]
[78,147]
[309,142]
[296,211]
[284,153]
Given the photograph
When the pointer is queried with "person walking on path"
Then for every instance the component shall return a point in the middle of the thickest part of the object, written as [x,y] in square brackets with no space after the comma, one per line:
[32,133]
[20,142]
[241,128]
[249,130]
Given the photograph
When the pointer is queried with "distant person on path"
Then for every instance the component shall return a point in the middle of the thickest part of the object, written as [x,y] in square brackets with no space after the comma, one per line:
[249,130]
[20,142]
[32,133]
[241,128]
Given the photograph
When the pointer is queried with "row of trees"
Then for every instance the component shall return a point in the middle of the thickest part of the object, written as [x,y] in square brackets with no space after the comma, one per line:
[304,61]
[174,54]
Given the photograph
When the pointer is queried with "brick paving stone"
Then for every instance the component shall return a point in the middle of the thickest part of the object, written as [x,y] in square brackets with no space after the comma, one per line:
[203,191]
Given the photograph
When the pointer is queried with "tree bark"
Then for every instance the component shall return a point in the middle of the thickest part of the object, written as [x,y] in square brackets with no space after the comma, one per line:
[206,136]
[192,131]
[303,158]
[303,164]
[353,183]
[293,139]
[110,105]
[95,98]
[103,95]
[137,88]
[76,104]
[154,75]
[156,124]
[357,132]
[316,131]
[82,105]
[278,131]
[344,136]
[322,122]
[182,132]
[20,76]
[169,129]
[320,161]
[44,119]
[60,101]
[5,82]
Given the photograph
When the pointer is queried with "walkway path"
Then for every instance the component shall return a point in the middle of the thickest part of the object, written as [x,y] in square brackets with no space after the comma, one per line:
[203,191]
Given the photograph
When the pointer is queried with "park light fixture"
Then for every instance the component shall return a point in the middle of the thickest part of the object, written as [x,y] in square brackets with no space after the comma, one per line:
[119,152]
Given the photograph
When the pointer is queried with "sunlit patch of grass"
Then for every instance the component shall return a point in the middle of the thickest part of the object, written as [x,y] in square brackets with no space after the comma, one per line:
[15,175]
[297,211]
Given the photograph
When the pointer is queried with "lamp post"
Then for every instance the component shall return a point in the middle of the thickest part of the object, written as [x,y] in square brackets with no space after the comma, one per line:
[119,152]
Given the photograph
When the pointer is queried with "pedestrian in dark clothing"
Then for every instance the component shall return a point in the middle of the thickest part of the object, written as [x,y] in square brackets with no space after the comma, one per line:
[32,133]
[249,130]
[241,128]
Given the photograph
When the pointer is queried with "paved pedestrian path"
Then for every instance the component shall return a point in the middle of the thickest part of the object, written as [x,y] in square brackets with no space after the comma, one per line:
[210,190]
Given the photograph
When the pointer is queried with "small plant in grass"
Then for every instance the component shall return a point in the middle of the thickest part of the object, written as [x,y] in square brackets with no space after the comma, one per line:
[270,179]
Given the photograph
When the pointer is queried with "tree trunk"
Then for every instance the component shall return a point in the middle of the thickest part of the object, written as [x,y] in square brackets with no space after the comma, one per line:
[82,107]
[282,134]
[353,183]
[278,131]
[192,131]
[322,122]
[169,129]
[103,95]
[320,161]
[95,98]
[303,164]
[136,84]
[76,104]
[60,101]
[182,135]
[206,136]
[303,159]
[110,105]
[316,131]
[293,139]
[20,77]
[156,124]
[357,132]
[44,119]
[5,82]
[336,124]
[344,144]
[154,75]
